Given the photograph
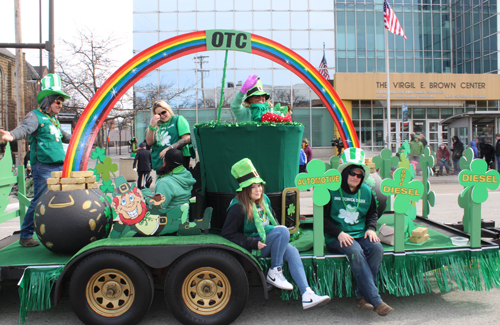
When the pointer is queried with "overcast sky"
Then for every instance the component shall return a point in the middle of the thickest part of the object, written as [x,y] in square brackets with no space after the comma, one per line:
[104,17]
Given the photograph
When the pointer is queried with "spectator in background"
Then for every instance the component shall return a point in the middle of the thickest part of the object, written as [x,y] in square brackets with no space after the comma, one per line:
[458,149]
[497,152]
[443,157]
[142,164]
[423,140]
[487,152]
[302,161]
[474,148]
[307,150]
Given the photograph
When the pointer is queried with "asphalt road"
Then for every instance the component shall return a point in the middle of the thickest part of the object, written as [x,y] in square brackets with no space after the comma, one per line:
[456,307]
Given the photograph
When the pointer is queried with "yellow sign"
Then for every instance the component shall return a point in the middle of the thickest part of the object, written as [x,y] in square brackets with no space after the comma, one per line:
[318,180]
[401,190]
[478,178]
[417,86]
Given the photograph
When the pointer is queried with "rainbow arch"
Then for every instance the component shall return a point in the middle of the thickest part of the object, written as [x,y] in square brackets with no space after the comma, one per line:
[141,64]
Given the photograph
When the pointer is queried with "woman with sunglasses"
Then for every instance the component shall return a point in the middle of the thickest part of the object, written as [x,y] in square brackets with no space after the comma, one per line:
[350,223]
[167,131]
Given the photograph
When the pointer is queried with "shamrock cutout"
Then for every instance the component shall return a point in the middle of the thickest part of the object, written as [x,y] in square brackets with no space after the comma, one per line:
[466,159]
[106,168]
[479,179]
[405,163]
[431,196]
[99,154]
[334,162]
[97,175]
[405,189]
[405,148]
[291,209]
[107,186]
[319,179]
[380,162]
[427,159]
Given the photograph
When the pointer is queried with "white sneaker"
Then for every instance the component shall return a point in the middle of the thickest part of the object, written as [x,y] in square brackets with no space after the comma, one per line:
[276,278]
[310,299]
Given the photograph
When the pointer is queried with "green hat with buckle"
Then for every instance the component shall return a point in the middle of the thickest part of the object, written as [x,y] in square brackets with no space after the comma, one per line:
[51,85]
[122,186]
[257,90]
[245,173]
[354,156]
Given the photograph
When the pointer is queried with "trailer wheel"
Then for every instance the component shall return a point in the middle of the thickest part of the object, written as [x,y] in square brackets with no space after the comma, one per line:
[206,287]
[111,288]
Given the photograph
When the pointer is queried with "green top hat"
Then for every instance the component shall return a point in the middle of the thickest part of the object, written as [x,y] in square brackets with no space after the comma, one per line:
[51,85]
[354,156]
[257,90]
[122,186]
[245,173]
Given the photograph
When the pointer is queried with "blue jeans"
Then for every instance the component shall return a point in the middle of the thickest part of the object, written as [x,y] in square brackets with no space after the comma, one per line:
[456,167]
[279,248]
[498,163]
[365,258]
[444,164]
[41,172]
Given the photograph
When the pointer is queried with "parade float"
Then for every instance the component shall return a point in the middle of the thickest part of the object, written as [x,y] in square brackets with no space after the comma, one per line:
[109,257]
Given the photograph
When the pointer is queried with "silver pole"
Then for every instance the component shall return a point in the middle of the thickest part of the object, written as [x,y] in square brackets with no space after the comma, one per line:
[388,90]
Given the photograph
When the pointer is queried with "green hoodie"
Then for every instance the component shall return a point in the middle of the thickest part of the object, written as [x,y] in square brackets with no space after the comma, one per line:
[416,148]
[175,186]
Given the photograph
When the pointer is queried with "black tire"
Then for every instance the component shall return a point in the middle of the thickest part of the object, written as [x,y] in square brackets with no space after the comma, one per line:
[128,290]
[206,287]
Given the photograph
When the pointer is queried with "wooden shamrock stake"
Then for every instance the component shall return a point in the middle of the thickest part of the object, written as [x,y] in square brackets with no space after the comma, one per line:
[464,199]
[476,182]
[428,198]
[322,181]
[383,163]
[405,191]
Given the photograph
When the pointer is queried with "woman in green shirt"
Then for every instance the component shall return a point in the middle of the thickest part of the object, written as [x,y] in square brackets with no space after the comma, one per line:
[167,131]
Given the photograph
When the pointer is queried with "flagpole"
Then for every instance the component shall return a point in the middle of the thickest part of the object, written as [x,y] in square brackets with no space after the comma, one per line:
[388,90]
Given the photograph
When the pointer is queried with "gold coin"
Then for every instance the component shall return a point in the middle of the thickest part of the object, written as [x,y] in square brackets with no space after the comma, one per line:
[42,228]
[49,244]
[92,224]
[86,205]
[42,209]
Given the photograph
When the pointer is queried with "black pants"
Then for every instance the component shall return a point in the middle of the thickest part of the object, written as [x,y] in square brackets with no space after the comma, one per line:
[142,179]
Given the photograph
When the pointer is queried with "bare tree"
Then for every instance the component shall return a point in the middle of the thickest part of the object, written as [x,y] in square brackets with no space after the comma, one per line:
[84,66]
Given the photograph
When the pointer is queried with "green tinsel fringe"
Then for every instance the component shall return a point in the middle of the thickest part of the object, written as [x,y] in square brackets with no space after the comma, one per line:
[403,275]
[35,288]
[213,124]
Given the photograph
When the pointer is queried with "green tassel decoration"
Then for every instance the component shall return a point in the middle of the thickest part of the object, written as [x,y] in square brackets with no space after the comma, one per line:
[404,274]
[35,288]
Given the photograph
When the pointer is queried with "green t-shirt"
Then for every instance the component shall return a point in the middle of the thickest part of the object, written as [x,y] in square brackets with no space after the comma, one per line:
[347,214]
[167,134]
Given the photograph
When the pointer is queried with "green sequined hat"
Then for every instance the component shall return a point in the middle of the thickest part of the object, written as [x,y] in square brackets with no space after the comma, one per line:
[51,85]
[354,156]
[245,173]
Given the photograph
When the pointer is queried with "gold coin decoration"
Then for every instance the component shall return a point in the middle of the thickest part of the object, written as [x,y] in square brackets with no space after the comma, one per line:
[86,205]
[92,224]
[42,229]
[42,210]
[93,239]
[97,203]
[93,210]
[49,244]
[100,228]
[99,216]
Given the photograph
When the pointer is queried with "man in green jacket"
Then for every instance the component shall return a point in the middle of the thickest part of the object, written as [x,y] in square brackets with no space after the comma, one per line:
[416,149]
[46,139]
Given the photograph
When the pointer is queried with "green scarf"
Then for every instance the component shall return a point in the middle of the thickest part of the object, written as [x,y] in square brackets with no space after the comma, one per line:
[258,221]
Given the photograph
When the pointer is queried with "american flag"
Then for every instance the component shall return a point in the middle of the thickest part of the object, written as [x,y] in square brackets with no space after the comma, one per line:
[391,22]
[323,68]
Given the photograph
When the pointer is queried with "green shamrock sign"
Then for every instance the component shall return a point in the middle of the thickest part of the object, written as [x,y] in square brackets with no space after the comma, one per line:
[291,209]
[479,180]
[384,162]
[404,189]
[99,154]
[426,163]
[106,168]
[319,179]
